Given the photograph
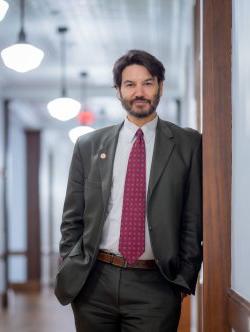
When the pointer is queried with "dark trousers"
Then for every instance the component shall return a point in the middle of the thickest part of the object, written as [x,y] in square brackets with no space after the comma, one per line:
[118,299]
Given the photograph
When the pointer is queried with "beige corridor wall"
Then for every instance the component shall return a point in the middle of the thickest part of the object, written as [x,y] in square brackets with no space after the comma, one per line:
[240,244]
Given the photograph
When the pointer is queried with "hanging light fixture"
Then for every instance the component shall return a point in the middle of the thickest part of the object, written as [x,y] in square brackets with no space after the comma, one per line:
[79,131]
[63,108]
[85,117]
[22,57]
[4,6]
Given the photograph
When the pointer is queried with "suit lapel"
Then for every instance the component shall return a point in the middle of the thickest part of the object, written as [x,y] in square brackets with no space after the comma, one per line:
[163,148]
[162,151]
[106,155]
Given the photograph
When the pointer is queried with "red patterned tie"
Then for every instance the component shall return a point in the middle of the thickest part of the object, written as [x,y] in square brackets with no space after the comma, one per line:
[132,234]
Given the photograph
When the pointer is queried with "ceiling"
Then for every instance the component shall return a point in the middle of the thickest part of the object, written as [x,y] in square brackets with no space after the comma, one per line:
[100,31]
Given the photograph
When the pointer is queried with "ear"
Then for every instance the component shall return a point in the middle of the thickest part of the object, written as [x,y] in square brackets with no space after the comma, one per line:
[118,93]
[161,88]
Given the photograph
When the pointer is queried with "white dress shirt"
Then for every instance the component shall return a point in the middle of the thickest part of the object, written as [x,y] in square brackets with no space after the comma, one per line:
[111,229]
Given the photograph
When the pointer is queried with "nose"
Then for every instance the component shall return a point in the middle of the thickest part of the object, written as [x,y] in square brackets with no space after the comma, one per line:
[139,91]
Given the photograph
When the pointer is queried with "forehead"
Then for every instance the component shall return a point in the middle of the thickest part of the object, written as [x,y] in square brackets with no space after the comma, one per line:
[135,73]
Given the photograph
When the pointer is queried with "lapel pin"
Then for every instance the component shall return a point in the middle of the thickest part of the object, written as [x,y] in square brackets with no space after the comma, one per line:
[103,156]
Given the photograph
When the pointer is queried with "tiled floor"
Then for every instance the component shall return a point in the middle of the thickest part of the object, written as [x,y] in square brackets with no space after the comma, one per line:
[36,313]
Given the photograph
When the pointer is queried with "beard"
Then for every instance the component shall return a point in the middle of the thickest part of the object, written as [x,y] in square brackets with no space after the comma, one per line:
[128,105]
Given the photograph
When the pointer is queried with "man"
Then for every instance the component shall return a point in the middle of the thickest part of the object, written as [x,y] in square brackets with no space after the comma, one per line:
[131,228]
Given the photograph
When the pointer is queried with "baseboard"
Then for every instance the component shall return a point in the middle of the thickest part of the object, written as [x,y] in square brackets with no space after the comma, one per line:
[238,312]
[26,287]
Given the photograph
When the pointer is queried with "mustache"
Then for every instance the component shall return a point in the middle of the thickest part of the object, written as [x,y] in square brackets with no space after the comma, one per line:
[141,99]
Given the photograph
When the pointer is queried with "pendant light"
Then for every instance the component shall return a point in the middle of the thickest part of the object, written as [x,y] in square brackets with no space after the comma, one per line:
[4,6]
[63,108]
[79,131]
[85,117]
[22,57]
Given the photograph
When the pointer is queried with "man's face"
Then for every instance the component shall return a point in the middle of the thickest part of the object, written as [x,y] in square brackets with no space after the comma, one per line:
[139,92]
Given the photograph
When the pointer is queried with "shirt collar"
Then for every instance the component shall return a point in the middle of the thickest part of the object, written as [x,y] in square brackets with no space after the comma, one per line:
[148,129]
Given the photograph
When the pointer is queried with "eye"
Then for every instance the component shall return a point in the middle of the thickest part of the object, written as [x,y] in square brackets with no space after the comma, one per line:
[128,84]
[148,83]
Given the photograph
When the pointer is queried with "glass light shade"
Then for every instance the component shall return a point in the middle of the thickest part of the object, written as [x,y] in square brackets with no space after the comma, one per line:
[4,6]
[22,57]
[64,108]
[79,131]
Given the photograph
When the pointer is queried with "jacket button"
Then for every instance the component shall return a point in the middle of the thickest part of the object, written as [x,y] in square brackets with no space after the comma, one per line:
[150,228]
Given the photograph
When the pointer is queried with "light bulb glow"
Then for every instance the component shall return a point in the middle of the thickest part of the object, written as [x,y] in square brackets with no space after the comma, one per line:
[22,57]
[64,108]
[79,131]
[4,6]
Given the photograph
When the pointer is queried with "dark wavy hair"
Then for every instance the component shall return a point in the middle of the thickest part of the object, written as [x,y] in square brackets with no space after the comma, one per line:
[138,57]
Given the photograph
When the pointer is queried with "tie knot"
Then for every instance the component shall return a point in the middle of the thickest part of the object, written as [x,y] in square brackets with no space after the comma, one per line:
[139,133]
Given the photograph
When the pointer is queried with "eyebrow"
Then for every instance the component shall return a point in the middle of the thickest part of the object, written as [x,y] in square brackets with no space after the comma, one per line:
[146,80]
[149,79]
[128,81]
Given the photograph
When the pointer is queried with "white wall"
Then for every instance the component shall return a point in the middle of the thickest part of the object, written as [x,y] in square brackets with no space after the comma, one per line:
[17,197]
[241,149]
[60,147]
[188,105]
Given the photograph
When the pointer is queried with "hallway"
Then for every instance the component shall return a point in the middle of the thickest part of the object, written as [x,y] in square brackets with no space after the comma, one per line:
[205,48]
[36,313]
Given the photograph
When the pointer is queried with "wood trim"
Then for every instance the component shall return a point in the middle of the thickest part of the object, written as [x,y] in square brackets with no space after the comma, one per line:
[30,286]
[217,162]
[185,319]
[238,312]
[17,253]
[24,253]
[33,213]
[50,210]
[6,129]
[4,300]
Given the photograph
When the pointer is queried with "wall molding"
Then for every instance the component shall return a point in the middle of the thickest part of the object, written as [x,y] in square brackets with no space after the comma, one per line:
[29,286]
[33,143]
[217,162]
[238,312]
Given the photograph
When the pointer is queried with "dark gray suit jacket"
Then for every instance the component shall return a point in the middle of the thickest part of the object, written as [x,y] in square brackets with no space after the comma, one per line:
[174,206]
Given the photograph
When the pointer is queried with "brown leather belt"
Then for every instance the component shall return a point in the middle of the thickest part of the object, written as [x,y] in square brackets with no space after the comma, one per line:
[109,258]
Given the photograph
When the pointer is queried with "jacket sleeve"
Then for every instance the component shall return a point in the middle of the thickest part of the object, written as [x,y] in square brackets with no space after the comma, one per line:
[191,226]
[72,218]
